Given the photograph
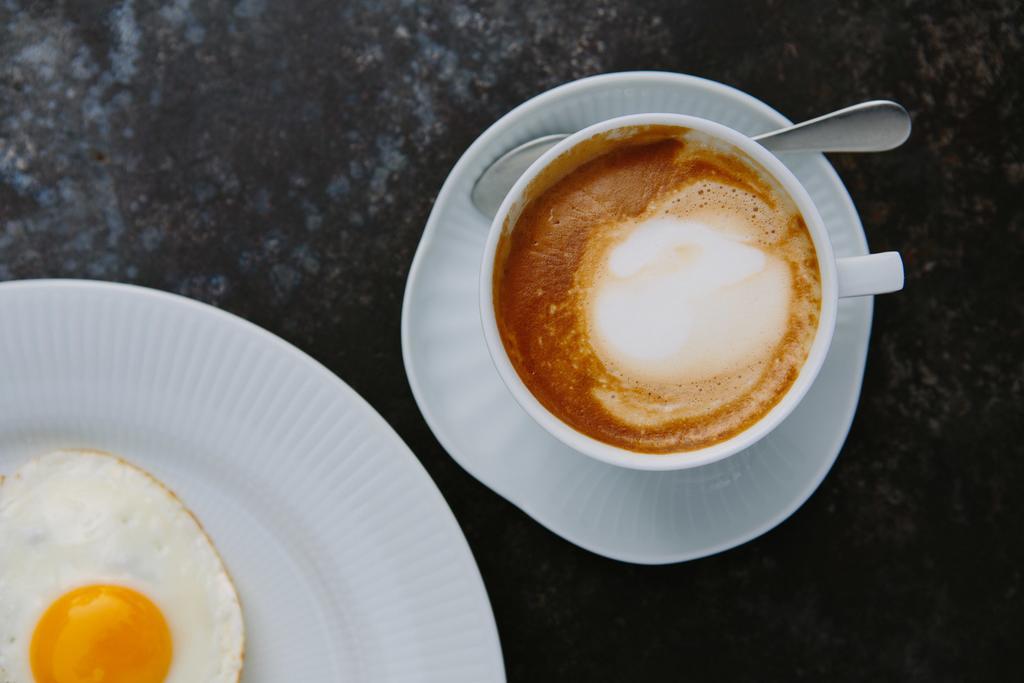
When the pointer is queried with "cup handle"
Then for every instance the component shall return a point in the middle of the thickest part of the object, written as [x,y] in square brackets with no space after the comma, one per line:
[871,274]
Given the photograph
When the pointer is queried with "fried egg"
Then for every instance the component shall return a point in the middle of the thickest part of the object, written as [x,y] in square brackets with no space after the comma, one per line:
[106,577]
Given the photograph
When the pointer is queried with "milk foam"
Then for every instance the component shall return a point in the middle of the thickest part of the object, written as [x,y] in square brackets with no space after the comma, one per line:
[680,300]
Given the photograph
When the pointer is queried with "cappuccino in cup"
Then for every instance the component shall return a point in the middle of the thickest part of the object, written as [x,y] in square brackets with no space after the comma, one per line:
[658,290]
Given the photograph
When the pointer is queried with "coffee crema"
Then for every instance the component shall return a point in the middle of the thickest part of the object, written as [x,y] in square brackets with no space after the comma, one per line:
[658,291]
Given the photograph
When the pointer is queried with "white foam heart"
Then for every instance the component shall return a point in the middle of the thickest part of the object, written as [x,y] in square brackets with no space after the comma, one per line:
[681,299]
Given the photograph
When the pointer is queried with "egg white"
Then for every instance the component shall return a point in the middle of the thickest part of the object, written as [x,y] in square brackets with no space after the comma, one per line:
[77,518]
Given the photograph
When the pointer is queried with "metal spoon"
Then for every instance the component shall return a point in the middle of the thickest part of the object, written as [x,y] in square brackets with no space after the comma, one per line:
[874,126]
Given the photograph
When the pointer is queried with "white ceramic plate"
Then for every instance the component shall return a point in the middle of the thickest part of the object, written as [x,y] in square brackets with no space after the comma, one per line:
[349,564]
[644,517]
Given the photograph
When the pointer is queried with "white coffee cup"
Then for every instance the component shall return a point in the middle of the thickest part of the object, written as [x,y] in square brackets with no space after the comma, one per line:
[840,277]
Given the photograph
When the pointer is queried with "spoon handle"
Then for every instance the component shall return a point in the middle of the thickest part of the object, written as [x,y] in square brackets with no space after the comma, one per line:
[873,126]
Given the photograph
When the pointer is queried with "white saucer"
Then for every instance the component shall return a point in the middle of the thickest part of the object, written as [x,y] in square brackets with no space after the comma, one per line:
[348,562]
[643,517]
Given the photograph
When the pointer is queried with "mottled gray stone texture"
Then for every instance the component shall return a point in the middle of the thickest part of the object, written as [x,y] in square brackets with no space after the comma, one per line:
[279,159]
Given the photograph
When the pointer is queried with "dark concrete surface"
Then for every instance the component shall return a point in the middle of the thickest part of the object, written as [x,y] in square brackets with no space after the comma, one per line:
[279,159]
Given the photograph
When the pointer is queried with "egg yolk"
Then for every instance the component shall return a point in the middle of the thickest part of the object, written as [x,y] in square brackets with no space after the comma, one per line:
[101,634]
